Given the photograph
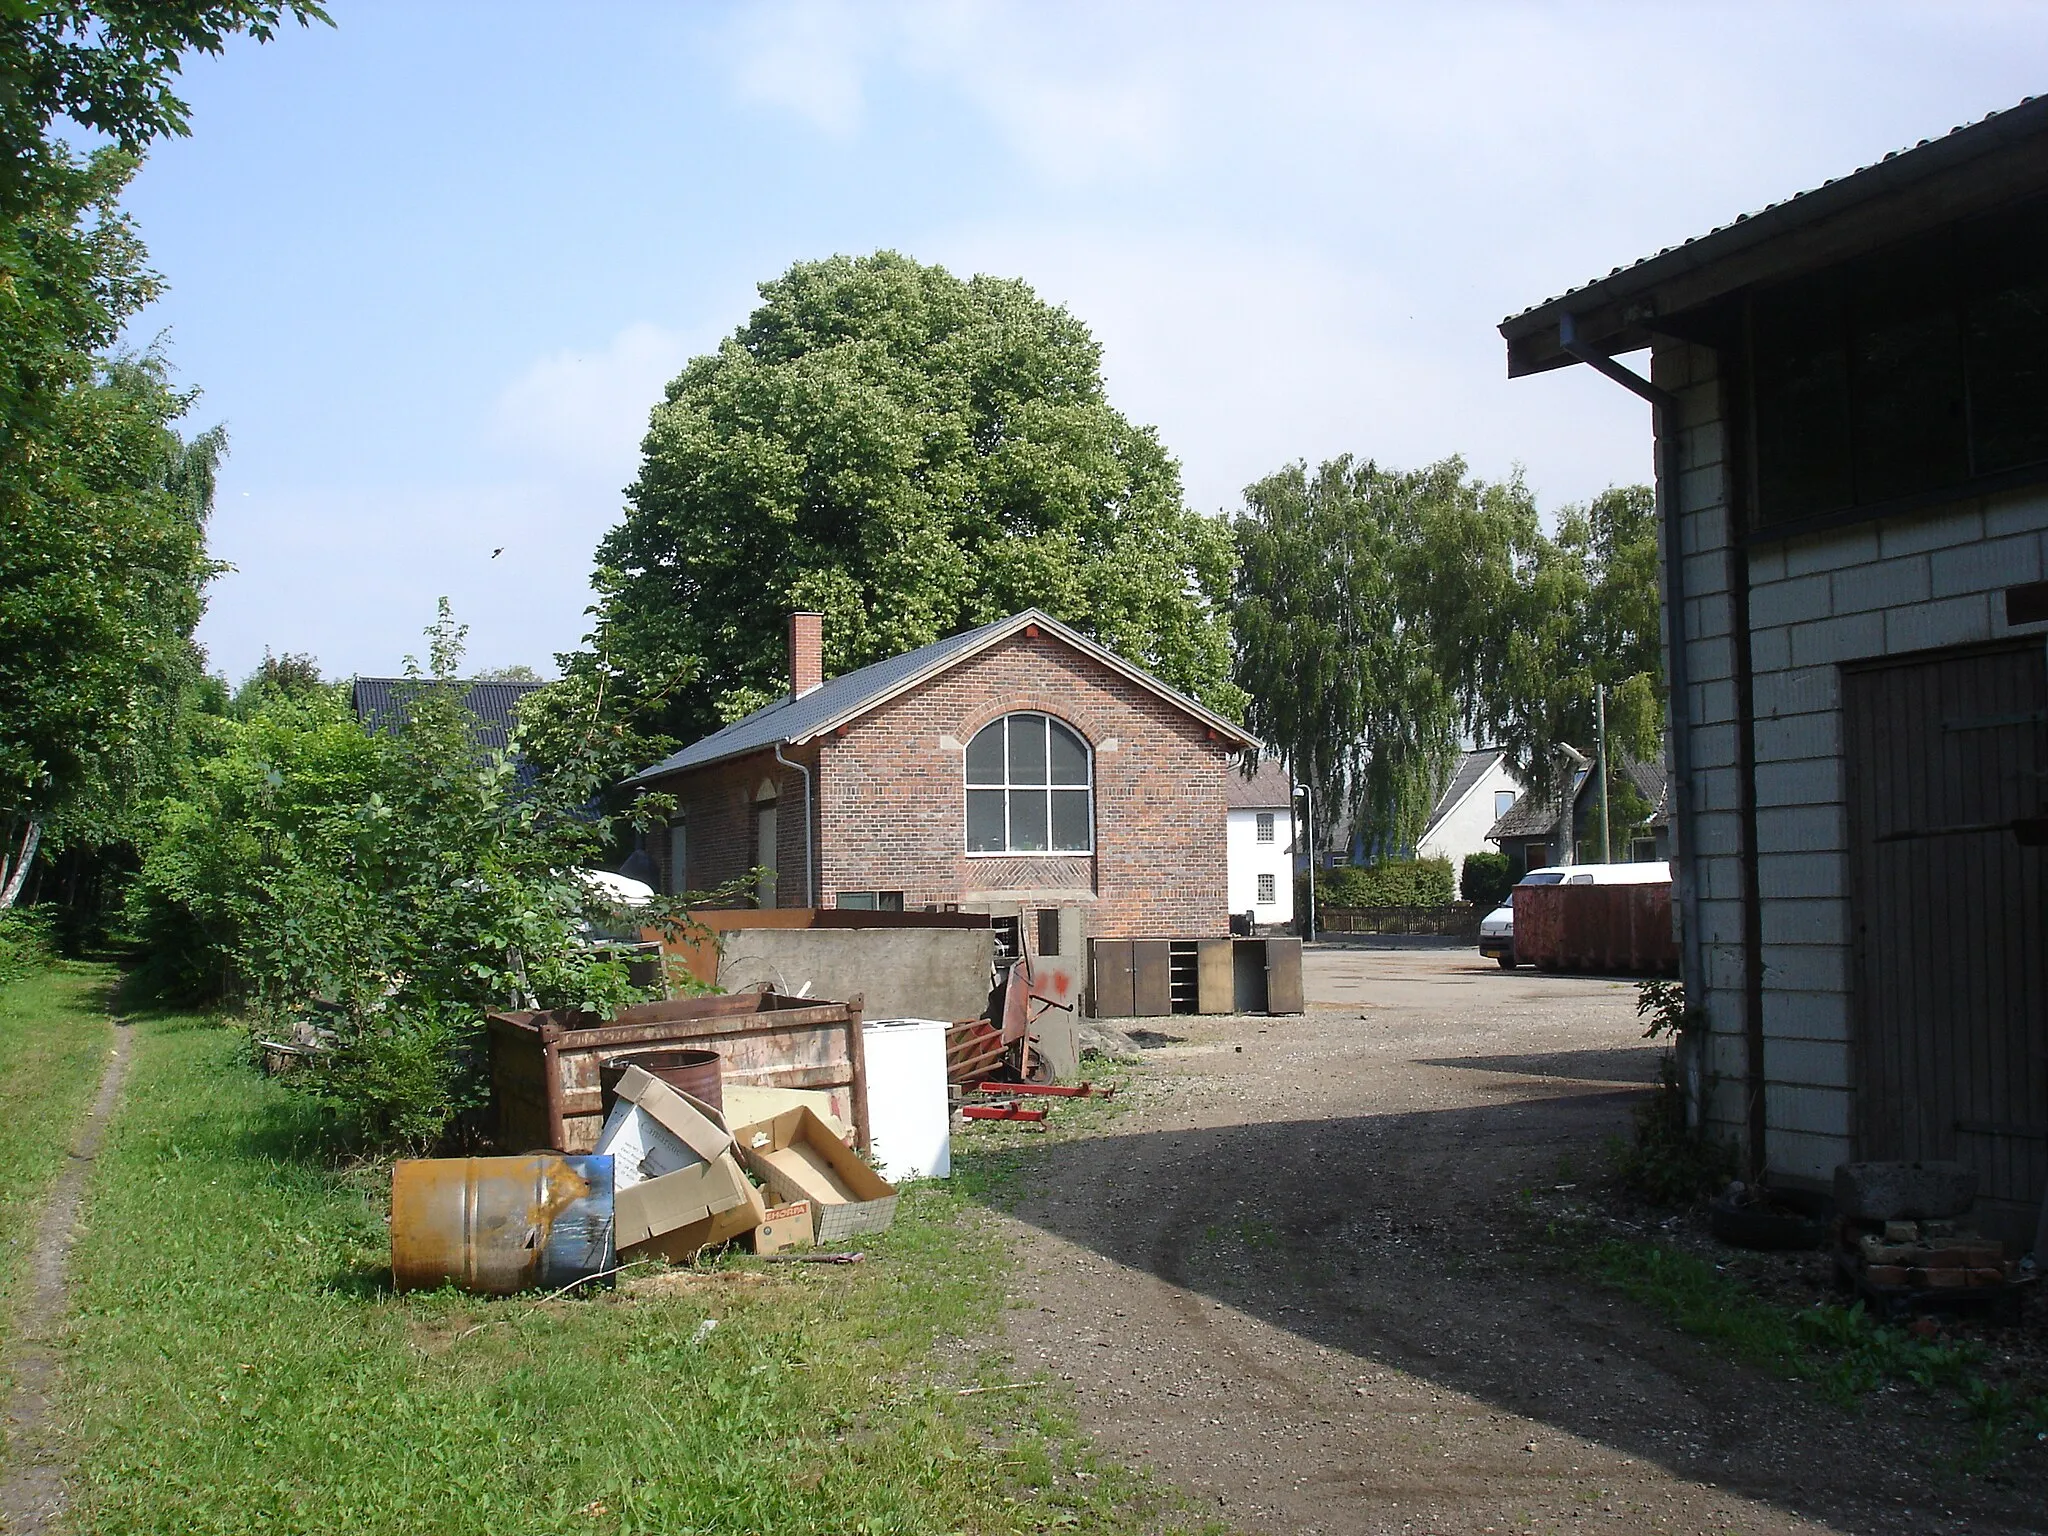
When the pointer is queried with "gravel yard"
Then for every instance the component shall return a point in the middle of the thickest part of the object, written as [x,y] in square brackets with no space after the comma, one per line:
[1288,1278]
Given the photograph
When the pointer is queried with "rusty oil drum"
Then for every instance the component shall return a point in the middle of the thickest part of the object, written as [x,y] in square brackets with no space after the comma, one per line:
[688,1069]
[498,1225]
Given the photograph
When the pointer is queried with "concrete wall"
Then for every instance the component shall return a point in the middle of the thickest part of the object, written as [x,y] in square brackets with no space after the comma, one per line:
[1464,830]
[900,973]
[1913,583]
[1249,858]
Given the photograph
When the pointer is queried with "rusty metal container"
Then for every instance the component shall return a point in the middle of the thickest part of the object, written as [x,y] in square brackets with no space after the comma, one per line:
[546,1067]
[692,1070]
[1596,928]
[500,1225]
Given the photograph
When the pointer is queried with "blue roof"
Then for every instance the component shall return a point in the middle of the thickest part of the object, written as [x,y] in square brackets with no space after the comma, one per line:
[798,719]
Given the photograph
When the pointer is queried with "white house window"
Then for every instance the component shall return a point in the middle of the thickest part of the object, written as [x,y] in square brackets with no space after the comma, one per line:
[1269,890]
[1029,788]
[1503,802]
[1265,826]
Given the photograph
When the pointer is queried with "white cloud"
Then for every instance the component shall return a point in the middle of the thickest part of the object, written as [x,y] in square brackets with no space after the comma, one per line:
[808,56]
[584,411]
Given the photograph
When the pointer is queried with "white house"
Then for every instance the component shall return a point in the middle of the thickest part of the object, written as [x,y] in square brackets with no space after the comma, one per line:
[1260,844]
[1481,791]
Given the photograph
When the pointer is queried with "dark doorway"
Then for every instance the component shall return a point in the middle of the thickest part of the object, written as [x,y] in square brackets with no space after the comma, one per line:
[1947,762]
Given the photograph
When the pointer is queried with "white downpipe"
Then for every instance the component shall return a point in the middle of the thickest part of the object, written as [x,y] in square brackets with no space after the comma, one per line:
[810,890]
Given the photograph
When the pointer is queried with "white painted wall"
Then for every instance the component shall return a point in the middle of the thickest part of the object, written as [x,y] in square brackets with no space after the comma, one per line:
[1464,830]
[1930,579]
[1249,858]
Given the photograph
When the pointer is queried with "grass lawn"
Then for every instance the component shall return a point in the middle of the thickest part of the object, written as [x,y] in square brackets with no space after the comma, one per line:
[241,1366]
[54,1039]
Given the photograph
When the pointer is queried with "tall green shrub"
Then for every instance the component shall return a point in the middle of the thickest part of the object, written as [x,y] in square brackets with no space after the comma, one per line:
[1486,880]
[1389,883]
[406,880]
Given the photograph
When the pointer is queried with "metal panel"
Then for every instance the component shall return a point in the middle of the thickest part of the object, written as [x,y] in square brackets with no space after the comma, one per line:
[1217,989]
[1946,757]
[1115,979]
[1283,976]
[1152,977]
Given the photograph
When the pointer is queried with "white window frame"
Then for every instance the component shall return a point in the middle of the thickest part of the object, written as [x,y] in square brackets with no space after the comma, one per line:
[1263,826]
[970,783]
[1269,890]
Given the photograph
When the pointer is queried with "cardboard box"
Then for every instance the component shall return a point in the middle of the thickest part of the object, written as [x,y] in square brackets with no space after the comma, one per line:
[693,1192]
[799,1158]
[655,1129]
[681,1199]
[787,1226]
[681,1244]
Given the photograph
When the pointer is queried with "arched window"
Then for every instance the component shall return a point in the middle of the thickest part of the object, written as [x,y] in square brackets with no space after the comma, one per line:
[1029,788]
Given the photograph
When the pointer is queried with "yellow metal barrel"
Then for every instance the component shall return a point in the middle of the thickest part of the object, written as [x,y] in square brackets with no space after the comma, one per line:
[498,1225]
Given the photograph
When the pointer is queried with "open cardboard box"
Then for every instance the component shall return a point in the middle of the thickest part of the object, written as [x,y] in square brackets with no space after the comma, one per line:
[708,1200]
[799,1158]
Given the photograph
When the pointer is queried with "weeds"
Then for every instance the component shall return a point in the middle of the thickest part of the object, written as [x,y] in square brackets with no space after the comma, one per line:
[1843,1351]
[257,1375]
[1667,1161]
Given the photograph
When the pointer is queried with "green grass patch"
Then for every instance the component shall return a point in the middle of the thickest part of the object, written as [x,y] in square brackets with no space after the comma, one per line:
[240,1365]
[1842,1350]
[54,1039]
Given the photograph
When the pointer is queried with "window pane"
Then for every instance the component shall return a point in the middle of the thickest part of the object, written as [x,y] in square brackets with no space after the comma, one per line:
[1802,401]
[2006,320]
[857,900]
[985,821]
[1070,827]
[1265,825]
[1907,390]
[985,755]
[1027,821]
[889,901]
[1069,756]
[1027,749]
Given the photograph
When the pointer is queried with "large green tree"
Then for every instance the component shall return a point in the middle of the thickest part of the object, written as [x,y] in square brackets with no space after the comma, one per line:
[1382,614]
[1341,679]
[102,505]
[910,454]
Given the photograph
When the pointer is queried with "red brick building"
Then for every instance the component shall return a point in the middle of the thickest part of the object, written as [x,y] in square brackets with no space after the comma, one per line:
[1017,769]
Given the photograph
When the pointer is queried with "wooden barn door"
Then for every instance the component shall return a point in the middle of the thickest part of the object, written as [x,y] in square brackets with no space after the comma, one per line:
[1947,761]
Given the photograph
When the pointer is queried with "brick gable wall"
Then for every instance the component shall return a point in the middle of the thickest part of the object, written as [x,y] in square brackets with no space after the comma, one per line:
[891,801]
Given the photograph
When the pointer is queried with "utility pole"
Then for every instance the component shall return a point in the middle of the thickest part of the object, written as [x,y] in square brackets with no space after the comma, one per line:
[1600,750]
[1309,927]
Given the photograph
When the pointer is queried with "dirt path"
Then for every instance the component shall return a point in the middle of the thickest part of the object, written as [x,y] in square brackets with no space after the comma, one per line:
[32,1473]
[1283,1281]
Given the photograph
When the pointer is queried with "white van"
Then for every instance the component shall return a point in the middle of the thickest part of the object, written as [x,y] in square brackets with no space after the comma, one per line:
[1497,928]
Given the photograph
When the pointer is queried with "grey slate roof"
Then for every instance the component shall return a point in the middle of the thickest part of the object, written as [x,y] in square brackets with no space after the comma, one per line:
[1472,767]
[1269,789]
[1535,813]
[380,701]
[790,720]
[1531,335]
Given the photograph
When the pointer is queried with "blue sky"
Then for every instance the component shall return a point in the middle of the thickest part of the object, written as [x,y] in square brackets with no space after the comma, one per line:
[431,267]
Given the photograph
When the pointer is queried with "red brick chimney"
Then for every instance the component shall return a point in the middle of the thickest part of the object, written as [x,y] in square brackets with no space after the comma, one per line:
[806,653]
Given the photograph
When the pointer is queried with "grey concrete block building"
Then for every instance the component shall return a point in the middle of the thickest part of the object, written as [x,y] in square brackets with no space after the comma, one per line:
[1850,394]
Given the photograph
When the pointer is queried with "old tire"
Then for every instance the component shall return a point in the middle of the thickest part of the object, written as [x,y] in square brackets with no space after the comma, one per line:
[1507,962]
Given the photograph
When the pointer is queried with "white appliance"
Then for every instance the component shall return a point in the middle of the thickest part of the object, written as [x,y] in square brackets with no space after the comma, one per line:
[910,1120]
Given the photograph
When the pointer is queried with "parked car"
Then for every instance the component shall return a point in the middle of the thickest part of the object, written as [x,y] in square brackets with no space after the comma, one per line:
[1497,929]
